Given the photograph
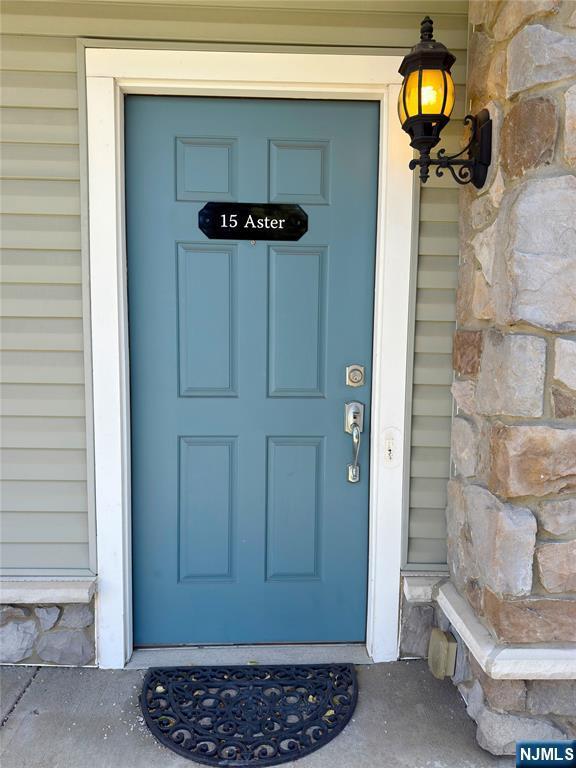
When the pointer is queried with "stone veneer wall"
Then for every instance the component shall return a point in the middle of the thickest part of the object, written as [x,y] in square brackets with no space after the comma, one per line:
[47,634]
[512,503]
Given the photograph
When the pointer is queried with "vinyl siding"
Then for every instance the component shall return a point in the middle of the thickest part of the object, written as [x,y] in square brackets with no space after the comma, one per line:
[44,523]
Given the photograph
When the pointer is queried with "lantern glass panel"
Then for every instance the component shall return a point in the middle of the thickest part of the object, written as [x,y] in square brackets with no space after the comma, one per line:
[401,111]
[432,90]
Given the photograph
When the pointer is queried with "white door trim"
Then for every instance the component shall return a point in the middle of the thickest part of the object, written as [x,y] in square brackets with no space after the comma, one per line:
[112,72]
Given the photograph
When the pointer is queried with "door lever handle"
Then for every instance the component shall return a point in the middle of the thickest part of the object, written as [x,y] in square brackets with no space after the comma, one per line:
[354,468]
[354,425]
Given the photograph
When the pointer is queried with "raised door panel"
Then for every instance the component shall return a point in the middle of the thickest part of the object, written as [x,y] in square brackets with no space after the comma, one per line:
[207,320]
[295,479]
[207,494]
[297,321]
[299,172]
[206,168]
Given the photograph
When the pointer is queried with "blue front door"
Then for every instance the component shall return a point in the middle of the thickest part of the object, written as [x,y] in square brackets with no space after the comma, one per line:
[245,527]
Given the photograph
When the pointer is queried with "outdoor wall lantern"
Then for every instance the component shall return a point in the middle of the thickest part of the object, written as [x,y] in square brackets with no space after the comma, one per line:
[425,104]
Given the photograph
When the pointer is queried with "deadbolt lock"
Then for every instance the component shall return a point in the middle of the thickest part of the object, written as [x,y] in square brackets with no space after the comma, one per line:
[355,376]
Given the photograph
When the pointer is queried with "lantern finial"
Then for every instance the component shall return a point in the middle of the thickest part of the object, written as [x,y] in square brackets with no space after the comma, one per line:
[427,30]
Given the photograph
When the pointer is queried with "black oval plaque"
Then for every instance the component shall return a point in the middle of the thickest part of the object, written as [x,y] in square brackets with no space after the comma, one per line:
[253,221]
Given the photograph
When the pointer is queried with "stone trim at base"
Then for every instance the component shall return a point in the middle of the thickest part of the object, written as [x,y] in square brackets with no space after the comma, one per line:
[48,633]
[17,590]
[505,662]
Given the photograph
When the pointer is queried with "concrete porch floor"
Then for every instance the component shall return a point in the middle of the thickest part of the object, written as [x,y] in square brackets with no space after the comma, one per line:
[89,718]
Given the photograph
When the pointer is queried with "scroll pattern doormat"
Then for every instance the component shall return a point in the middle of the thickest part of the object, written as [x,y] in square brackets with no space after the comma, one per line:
[248,715]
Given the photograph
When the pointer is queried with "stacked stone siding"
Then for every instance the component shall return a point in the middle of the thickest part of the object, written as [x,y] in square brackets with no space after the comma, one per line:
[512,500]
[47,634]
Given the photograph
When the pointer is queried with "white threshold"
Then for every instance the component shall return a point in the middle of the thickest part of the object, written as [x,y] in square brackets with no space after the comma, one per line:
[20,590]
[505,661]
[336,653]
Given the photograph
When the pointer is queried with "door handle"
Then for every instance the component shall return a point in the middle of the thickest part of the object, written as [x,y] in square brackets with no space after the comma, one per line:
[354,425]
[354,468]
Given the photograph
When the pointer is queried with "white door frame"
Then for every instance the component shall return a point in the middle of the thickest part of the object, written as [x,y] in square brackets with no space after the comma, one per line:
[113,72]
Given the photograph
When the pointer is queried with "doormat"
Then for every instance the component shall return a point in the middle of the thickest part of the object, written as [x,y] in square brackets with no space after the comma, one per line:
[248,715]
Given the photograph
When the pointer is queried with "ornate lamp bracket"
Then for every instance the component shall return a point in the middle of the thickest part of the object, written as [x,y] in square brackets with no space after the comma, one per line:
[471,169]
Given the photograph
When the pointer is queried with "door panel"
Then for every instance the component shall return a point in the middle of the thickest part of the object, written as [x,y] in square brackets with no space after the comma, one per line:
[294,507]
[207,482]
[245,529]
[207,300]
[296,321]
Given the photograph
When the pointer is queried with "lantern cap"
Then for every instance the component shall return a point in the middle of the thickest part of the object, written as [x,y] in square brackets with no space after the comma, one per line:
[428,53]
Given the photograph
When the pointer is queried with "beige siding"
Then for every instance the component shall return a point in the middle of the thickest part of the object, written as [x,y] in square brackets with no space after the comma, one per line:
[279,25]
[44,522]
[432,375]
